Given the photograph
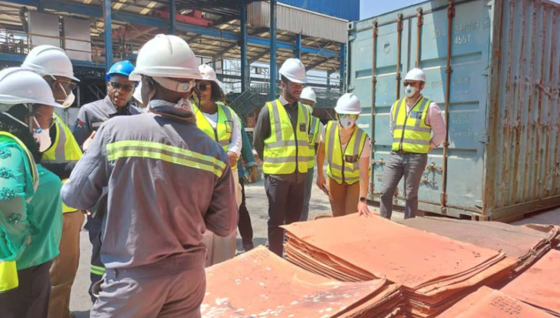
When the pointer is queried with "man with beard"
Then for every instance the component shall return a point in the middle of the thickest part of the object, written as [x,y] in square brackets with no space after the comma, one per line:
[281,140]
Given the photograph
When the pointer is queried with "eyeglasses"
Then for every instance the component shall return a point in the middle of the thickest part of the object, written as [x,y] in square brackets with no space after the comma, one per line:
[51,119]
[413,84]
[203,86]
[352,116]
[124,87]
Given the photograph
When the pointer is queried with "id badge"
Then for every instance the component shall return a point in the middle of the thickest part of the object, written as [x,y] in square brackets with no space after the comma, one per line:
[302,127]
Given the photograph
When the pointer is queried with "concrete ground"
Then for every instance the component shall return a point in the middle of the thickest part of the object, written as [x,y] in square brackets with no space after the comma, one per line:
[257,204]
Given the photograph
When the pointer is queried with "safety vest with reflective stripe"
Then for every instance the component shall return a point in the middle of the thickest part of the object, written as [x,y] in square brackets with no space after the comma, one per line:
[344,168]
[410,132]
[314,128]
[224,125]
[64,149]
[8,269]
[286,149]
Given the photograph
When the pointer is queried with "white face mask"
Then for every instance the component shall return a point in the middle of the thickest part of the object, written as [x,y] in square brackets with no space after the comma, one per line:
[42,136]
[347,122]
[410,91]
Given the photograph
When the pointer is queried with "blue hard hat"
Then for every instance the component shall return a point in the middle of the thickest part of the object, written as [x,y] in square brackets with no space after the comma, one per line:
[120,68]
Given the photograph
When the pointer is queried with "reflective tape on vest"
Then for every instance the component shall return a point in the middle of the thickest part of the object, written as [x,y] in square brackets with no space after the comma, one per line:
[410,132]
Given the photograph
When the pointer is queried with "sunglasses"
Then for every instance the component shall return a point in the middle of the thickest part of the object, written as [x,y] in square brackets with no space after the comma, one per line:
[203,86]
[413,84]
[124,87]
[352,116]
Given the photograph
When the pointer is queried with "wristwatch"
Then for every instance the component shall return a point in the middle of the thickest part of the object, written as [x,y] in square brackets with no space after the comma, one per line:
[363,199]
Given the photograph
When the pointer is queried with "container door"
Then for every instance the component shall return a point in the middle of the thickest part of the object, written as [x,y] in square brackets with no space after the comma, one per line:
[426,44]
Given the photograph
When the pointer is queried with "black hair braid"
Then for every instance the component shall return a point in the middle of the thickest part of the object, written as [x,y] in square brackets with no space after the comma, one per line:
[11,126]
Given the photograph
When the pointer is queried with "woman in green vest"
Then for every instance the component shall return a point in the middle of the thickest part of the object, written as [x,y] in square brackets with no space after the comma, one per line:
[347,149]
[30,205]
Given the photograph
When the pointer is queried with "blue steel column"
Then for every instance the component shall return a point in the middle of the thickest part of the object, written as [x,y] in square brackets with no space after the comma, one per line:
[273,67]
[172,14]
[297,52]
[343,67]
[244,66]
[108,34]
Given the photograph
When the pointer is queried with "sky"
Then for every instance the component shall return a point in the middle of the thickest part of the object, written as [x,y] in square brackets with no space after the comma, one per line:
[370,8]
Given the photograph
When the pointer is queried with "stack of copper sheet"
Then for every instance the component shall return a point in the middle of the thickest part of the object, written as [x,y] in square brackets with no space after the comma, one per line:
[540,284]
[434,271]
[527,243]
[261,284]
[487,302]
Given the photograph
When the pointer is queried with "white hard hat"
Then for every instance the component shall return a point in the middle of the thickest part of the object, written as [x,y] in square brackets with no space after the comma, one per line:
[208,74]
[138,93]
[21,86]
[348,104]
[294,71]
[166,56]
[416,74]
[49,60]
[309,94]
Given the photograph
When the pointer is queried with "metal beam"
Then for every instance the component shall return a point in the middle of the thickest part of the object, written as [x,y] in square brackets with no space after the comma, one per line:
[92,11]
[316,63]
[224,50]
[273,71]
[172,14]
[257,57]
[108,34]
[244,67]
[297,51]
[343,67]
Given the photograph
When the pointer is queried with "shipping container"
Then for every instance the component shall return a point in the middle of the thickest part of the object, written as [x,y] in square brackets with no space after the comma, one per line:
[344,9]
[493,67]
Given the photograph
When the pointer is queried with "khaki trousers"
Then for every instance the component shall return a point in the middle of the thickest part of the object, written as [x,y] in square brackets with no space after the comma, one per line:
[221,249]
[344,197]
[65,265]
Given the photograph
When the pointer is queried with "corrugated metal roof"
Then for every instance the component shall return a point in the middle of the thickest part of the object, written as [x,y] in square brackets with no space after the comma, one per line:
[298,21]
[345,9]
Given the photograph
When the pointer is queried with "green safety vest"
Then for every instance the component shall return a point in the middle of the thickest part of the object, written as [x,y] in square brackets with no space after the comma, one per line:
[344,168]
[410,132]
[224,126]
[64,149]
[313,134]
[8,269]
[286,150]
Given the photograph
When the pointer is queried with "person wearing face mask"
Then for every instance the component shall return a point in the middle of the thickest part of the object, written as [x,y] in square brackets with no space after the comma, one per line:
[167,182]
[412,122]
[55,67]
[347,149]
[30,204]
[220,123]
[281,140]
[90,117]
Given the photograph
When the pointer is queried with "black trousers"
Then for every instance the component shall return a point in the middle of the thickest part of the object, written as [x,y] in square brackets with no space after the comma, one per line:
[285,203]
[93,226]
[31,298]
[244,225]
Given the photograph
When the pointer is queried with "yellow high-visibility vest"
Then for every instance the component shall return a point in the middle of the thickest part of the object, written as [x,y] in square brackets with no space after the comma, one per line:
[314,130]
[344,168]
[410,132]
[224,126]
[286,150]
[64,149]
[8,269]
